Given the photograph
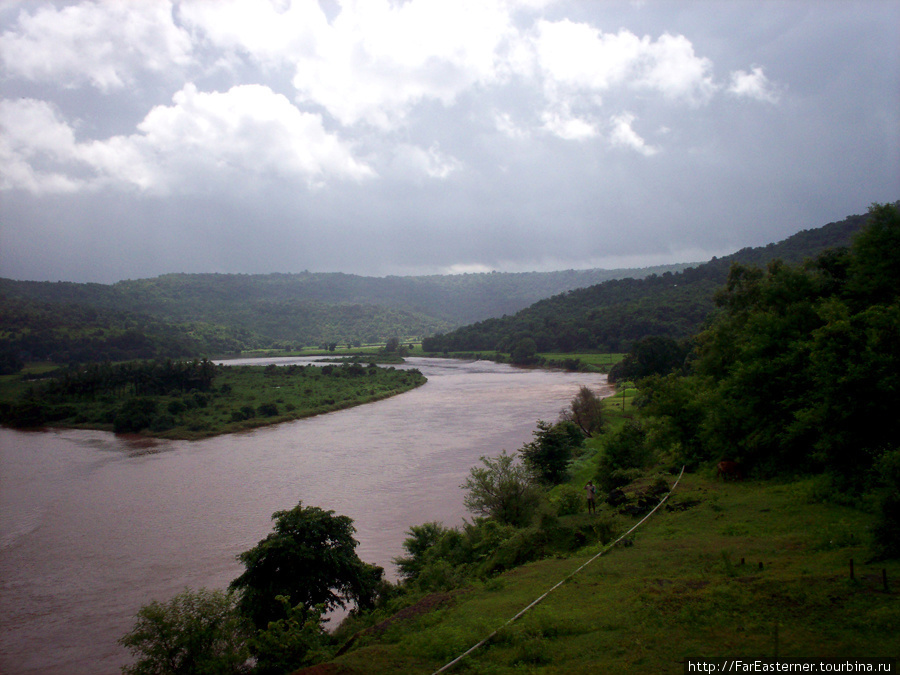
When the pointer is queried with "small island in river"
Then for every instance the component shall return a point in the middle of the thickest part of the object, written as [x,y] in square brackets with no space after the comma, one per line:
[192,400]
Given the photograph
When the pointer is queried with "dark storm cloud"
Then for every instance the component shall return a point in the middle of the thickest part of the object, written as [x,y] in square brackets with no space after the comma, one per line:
[391,138]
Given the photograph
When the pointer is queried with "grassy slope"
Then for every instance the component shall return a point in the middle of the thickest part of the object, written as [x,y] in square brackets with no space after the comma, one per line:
[679,591]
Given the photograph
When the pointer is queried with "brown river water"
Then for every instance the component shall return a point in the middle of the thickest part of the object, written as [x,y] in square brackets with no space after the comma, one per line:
[93,526]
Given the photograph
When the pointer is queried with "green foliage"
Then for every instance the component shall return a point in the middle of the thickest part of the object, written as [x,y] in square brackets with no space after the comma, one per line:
[800,372]
[195,633]
[524,351]
[625,451]
[586,410]
[421,538]
[568,500]
[548,455]
[501,489]
[651,355]
[135,413]
[294,641]
[309,559]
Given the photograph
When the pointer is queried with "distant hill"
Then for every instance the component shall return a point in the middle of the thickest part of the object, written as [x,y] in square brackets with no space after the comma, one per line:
[181,315]
[611,315]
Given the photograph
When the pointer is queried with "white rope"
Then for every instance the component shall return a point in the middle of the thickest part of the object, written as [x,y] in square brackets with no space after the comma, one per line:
[572,574]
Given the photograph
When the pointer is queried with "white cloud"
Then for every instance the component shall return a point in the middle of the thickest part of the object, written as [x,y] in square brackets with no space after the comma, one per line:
[623,135]
[214,137]
[578,56]
[376,59]
[562,123]
[754,84]
[673,69]
[267,31]
[580,65]
[104,44]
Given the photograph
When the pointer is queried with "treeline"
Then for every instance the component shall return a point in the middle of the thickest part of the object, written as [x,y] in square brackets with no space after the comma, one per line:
[35,330]
[188,315]
[799,373]
[68,332]
[613,315]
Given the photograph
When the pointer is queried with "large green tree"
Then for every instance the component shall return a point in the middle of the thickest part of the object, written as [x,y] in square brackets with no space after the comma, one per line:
[310,558]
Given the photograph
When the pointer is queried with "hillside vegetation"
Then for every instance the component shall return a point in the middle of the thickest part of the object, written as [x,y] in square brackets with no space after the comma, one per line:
[195,315]
[610,316]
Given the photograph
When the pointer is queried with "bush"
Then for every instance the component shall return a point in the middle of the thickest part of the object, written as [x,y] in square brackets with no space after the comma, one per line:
[568,500]
[196,632]
[501,489]
[624,452]
[290,643]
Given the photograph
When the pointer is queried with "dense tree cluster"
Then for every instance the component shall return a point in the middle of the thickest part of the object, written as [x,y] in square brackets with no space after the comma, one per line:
[800,372]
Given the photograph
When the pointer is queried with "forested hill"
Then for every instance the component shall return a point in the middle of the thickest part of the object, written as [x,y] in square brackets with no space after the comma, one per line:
[181,315]
[611,315]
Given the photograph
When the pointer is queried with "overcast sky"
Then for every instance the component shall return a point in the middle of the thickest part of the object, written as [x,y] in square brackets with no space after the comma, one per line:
[140,137]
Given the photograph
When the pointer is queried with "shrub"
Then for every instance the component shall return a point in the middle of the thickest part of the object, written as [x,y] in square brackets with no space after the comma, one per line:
[195,632]
[568,500]
[501,489]
[625,450]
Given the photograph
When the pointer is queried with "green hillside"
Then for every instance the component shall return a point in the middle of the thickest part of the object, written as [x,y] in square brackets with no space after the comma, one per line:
[612,315]
[179,315]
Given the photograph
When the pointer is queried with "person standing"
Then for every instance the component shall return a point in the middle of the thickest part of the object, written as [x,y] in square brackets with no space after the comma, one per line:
[591,496]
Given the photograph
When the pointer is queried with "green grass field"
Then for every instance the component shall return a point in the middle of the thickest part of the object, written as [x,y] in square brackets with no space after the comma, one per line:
[749,570]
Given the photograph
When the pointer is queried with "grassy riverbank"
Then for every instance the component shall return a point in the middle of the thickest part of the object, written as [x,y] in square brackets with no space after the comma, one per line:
[748,570]
[236,398]
[751,569]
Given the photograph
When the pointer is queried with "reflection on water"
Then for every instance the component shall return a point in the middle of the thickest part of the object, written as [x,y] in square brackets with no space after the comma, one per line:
[93,525]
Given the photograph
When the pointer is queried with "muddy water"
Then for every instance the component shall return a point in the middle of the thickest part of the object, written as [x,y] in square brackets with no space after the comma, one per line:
[93,526]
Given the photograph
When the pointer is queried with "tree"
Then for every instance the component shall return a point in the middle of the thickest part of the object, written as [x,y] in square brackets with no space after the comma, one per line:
[309,558]
[587,411]
[524,352]
[653,355]
[501,489]
[195,633]
[548,455]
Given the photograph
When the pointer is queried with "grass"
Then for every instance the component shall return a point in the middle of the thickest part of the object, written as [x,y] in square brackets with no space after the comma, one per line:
[691,585]
[600,361]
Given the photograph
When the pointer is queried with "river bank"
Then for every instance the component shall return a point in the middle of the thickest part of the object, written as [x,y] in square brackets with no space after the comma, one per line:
[94,525]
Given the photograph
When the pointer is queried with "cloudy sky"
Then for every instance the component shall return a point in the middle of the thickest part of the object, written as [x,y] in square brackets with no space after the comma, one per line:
[376,137]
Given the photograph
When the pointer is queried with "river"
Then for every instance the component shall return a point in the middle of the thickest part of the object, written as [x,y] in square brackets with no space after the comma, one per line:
[93,525]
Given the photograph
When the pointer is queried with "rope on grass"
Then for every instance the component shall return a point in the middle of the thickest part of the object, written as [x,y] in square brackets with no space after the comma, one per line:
[606,548]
